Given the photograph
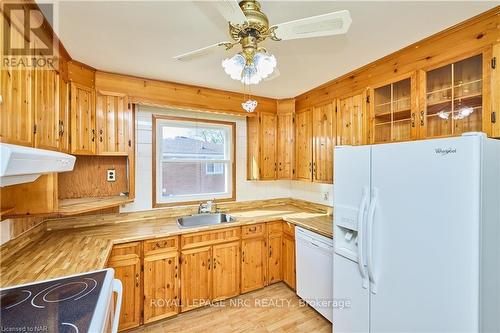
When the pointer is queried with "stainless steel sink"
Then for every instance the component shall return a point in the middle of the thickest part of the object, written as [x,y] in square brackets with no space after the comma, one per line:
[200,220]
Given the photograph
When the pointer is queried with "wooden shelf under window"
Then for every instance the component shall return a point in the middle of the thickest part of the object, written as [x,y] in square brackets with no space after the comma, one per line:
[69,207]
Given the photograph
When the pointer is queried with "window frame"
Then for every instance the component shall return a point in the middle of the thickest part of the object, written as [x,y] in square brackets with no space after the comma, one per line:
[191,200]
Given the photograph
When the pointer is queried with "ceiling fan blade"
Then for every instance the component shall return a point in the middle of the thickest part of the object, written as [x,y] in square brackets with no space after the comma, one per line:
[199,52]
[231,11]
[334,23]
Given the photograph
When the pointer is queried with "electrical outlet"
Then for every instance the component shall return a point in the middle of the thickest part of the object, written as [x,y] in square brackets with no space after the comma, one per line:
[326,196]
[111,175]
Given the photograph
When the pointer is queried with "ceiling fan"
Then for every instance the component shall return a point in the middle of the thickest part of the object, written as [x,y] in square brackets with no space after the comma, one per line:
[249,26]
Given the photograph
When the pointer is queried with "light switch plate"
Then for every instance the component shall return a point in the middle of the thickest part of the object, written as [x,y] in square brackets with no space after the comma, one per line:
[111,175]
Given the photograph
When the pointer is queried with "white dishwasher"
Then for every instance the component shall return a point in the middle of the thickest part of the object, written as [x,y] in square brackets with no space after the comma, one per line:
[314,265]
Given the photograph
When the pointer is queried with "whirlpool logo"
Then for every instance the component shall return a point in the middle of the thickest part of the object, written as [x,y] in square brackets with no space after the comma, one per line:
[445,151]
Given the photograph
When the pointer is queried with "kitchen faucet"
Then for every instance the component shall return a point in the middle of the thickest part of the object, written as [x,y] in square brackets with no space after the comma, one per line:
[206,207]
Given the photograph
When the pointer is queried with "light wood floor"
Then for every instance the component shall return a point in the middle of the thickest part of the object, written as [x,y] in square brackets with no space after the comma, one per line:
[273,309]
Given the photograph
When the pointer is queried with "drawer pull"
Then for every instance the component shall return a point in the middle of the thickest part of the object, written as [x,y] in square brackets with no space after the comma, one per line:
[252,229]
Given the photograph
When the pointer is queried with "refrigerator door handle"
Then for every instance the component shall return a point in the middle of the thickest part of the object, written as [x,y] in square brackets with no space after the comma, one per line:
[371,217]
[361,237]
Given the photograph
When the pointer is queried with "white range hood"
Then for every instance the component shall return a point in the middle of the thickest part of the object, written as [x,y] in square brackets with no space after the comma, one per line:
[20,164]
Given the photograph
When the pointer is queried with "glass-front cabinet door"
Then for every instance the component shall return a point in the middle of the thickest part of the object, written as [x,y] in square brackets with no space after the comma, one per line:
[393,117]
[453,100]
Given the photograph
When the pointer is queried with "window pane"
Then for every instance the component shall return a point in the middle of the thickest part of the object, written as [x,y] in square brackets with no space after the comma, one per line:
[193,178]
[193,142]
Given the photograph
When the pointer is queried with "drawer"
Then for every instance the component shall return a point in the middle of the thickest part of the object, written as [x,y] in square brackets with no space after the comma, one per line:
[289,229]
[161,245]
[126,251]
[204,238]
[275,227]
[253,230]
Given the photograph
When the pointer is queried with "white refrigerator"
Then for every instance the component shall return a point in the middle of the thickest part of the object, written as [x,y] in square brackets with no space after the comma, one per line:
[417,236]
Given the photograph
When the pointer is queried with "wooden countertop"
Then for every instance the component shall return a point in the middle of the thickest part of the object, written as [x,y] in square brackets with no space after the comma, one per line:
[70,251]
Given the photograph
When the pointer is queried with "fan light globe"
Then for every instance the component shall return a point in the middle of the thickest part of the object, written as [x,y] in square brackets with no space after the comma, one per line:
[262,66]
[234,66]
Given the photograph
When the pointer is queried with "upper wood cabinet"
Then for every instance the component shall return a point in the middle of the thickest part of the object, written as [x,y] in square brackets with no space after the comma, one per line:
[323,135]
[303,146]
[285,139]
[16,111]
[46,106]
[261,131]
[455,97]
[495,92]
[114,124]
[393,111]
[351,126]
[83,122]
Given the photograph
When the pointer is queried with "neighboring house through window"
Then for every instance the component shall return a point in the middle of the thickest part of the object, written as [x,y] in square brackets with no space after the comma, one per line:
[194,160]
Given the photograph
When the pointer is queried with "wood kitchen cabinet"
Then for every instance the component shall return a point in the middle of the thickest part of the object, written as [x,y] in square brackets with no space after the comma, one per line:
[64,116]
[303,148]
[83,122]
[454,97]
[274,243]
[495,92]
[262,134]
[254,257]
[393,111]
[226,270]
[323,136]
[288,254]
[126,260]
[161,278]
[351,126]
[285,139]
[114,124]
[196,277]
[46,109]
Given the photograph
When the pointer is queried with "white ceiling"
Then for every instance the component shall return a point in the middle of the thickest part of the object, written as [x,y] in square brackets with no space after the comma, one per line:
[140,38]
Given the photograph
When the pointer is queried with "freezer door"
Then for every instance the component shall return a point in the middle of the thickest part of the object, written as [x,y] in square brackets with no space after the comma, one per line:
[350,277]
[423,254]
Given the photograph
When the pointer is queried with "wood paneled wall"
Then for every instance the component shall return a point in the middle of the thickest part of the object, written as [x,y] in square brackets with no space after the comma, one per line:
[88,178]
[176,95]
[465,38]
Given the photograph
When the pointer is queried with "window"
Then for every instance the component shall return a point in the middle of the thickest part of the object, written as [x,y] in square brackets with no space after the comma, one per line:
[194,160]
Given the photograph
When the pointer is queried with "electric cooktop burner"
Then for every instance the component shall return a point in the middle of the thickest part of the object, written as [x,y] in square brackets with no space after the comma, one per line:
[63,305]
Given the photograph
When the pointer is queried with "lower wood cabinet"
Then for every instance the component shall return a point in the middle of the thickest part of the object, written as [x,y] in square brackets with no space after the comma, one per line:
[161,286]
[288,255]
[126,261]
[226,270]
[196,277]
[164,276]
[253,263]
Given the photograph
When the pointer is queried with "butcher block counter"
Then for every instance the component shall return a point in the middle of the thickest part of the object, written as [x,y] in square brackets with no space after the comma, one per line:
[75,245]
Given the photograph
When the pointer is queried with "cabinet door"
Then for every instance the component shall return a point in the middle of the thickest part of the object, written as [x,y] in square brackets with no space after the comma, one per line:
[196,278]
[268,146]
[303,156]
[64,116]
[114,116]
[495,92]
[161,286]
[83,134]
[128,271]
[323,142]
[46,105]
[274,259]
[254,262]
[350,120]
[253,148]
[288,256]
[226,270]
[285,146]
[16,111]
